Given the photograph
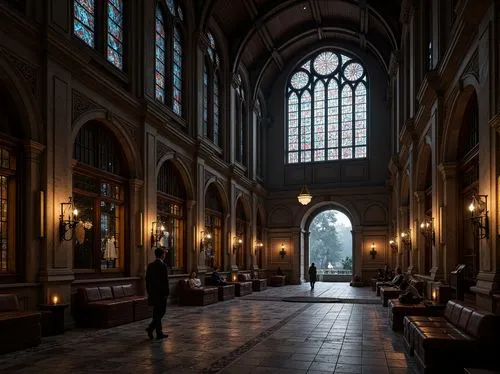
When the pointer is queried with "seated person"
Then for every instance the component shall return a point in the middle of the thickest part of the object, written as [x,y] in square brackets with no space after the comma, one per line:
[398,279]
[193,281]
[217,278]
[410,296]
[388,273]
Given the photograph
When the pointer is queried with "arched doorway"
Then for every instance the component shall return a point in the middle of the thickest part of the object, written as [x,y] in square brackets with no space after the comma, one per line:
[171,208]
[330,244]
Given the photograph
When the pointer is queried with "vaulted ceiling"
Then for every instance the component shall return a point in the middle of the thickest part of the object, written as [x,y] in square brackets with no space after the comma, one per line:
[265,34]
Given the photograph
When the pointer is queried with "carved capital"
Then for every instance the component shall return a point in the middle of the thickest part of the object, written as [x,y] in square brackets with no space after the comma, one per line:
[448,170]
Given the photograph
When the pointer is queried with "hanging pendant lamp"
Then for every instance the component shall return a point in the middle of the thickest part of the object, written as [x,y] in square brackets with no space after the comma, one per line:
[304,197]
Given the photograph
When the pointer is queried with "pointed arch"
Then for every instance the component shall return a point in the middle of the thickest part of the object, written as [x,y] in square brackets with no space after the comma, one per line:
[183,170]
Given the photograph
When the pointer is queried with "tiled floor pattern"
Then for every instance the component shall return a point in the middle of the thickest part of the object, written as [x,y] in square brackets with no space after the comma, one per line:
[238,336]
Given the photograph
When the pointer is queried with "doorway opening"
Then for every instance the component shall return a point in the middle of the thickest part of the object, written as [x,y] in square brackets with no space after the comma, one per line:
[330,246]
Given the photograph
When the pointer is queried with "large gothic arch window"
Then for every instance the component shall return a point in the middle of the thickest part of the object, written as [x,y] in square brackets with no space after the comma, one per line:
[241,124]
[99,194]
[211,92]
[327,109]
[171,209]
[169,55]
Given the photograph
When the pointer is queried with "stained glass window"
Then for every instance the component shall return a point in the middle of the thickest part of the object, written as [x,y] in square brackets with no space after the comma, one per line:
[115,33]
[177,66]
[327,109]
[211,92]
[241,121]
[160,56]
[84,20]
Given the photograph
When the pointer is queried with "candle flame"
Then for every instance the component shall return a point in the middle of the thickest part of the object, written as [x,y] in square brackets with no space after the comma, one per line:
[55,299]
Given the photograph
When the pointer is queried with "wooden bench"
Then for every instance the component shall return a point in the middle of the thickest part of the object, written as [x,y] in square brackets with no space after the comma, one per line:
[277,280]
[243,286]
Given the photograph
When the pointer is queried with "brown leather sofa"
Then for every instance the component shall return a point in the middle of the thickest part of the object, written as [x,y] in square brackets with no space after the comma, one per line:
[258,284]
[277,280]
[225,292]
[105,307]
[243,286]
[18,329]
[465,337]
[196,296]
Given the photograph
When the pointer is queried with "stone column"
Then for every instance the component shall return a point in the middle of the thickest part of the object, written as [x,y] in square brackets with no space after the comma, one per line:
[191,237]
[447,235]
[403,226]
[32,230]
[137,255]
[305,261]
[418,247]
[357,251]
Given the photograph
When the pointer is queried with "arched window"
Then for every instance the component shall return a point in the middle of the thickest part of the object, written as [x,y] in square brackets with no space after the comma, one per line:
[241,122]
[169,56]
[258,127]
[213,225]
[160,56]
[115,33]
[99,194]
[211,92]
[327,109]
[171,209]
[84,21]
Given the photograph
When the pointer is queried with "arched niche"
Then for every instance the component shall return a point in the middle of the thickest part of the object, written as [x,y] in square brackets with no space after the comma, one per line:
[242,235]
[215,213]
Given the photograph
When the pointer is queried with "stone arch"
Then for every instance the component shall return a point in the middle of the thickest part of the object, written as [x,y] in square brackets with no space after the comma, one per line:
[375,213]
[24,101]
[245,203]
[280,215]
[405,191]
[344,207]
[222,193]
[421,168]
[453,124]
[183,171]
[129,147]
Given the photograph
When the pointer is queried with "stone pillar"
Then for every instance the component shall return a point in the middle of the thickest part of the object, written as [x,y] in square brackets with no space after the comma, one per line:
[248,247]
[191,238]
[32,228]
[447,235]
[403,226]
[357,251]
[305,260]
[418,247]
[137,255]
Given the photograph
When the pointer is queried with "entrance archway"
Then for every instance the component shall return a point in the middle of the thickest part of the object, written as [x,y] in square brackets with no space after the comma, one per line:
[330,245]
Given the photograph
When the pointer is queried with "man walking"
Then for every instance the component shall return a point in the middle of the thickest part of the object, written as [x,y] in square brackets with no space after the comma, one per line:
[312,275]
[157,287]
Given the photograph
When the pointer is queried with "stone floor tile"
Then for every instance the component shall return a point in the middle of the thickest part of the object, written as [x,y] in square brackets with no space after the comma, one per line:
[347,368]
[367,369]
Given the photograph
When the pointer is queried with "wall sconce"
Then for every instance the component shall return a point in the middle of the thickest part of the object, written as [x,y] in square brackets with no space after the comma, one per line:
[282,251]
[237,242]
[427,229]
[258,246]
[157,233]
[373,251]
[478,209]
[206,239]
[406,238]
[55,299]
[394,245]
[66,224]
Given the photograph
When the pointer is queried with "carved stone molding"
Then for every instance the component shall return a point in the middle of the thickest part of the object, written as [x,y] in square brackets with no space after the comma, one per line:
[495,122]
[30,73]
[394,63]
[448,170]
[208,176]
[81,104]
[472,67]
[162,150]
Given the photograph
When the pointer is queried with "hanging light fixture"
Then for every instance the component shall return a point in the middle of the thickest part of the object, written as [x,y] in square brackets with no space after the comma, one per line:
[304,197]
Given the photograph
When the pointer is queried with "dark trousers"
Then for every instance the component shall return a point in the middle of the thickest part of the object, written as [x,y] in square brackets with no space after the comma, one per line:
[159,310]
[312,283]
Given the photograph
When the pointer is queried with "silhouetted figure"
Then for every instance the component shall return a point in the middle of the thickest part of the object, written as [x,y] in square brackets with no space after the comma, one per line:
[312,275]
[158,290]
[217,278]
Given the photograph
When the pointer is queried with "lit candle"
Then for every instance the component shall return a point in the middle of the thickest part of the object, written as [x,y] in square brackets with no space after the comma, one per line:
[433,295]
[55,299]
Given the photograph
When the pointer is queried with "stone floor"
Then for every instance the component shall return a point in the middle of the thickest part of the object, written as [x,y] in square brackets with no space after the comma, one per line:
[244,335]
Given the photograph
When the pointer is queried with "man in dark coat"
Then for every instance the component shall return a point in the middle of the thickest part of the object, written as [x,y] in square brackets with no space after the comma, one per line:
[312,275]
[157,287]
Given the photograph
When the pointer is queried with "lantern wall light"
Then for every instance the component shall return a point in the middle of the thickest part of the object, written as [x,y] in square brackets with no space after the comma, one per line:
[406,238]
[206,239]
[68,221]
[157,233]
[478,209]
[393,244]
[373,251]
[282,251]
[258,246]
[237,243]
[427,229]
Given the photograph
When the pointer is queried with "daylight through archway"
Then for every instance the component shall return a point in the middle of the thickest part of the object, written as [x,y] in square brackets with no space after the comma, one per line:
[330,245]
